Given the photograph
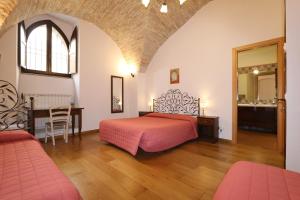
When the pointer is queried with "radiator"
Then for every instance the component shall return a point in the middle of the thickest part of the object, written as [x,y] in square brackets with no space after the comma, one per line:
[45,101]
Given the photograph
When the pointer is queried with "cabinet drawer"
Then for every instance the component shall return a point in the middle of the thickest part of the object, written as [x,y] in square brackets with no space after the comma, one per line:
[205,121]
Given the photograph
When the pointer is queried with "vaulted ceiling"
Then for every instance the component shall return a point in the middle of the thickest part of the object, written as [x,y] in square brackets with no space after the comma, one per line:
[138,31]
[6,6]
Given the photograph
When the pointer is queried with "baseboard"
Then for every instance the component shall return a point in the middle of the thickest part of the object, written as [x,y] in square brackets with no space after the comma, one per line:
[226,141]
[90,131]
[76,134]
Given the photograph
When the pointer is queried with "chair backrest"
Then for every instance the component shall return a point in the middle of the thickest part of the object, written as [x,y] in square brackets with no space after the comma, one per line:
[60,114]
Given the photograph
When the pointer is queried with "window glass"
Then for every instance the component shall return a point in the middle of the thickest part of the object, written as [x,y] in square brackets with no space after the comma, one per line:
[73,56]
[37,49]
[22,46]
[60,52]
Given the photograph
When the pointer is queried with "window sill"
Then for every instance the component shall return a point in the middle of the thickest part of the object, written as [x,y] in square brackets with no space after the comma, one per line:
[35,72]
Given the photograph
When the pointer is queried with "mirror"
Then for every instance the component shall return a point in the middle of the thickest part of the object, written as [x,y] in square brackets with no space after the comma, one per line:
[257,75]
[117,96]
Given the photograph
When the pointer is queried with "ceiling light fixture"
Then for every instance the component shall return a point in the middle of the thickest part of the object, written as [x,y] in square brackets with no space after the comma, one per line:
[181,1]
[146,2]
[164,8]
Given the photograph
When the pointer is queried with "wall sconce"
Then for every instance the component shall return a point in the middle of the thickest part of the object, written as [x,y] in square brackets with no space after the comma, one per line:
[203,105]
[127,68]
[132,69]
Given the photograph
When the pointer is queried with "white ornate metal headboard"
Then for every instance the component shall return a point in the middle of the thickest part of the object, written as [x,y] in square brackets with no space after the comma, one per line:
[13,108]
[176,102]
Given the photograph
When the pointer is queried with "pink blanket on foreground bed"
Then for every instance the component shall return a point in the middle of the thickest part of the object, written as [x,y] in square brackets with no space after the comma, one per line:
[251,181]
[153,132]
[27,173]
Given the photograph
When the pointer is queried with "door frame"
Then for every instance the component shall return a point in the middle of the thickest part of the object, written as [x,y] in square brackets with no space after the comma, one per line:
[281,88]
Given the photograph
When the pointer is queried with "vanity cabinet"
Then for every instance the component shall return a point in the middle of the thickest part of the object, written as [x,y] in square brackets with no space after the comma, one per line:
[258,118]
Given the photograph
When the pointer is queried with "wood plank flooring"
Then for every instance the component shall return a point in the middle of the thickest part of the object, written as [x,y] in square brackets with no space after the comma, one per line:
[260,139]
[190,171]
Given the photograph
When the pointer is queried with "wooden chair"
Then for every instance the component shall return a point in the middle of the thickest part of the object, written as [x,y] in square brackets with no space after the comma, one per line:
[59,118]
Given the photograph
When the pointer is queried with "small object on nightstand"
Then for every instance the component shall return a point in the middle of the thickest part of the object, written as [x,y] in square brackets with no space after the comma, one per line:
[150,106]
[142,113]
[203,105]
[208,128]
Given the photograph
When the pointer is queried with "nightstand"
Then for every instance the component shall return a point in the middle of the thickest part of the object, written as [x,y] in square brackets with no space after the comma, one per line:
[142,113]
[208,128]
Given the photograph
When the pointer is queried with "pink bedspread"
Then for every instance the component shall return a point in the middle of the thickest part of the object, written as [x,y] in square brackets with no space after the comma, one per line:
[11,136]
[252,181]
[153,132]
[27,173]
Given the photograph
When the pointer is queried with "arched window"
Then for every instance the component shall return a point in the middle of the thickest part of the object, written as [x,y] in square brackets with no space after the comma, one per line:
[45,50]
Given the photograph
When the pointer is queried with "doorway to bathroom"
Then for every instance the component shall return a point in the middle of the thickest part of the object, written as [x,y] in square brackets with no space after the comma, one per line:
[258,94]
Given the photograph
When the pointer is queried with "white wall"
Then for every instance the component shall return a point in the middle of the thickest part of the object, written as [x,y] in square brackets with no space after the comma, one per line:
[143,99]
[8,58]
[38,84]
[202,49]
[293,83]
[100,58]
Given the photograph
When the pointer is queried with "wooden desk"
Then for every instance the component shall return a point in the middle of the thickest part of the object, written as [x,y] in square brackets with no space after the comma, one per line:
[43,113]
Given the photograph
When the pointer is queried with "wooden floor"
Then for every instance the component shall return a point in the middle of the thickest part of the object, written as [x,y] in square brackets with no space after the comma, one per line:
[190,171]
[259,139]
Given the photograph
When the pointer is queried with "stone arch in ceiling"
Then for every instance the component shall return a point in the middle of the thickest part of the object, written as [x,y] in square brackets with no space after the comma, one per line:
[138,31]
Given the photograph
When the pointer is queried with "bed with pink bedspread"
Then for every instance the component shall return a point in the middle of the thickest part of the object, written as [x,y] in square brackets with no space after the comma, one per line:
[153,133]
[251,181]
[27,173]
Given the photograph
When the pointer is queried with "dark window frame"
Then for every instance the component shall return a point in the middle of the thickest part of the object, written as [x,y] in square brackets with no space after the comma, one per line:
[74,37]
[21,25]
[50,24]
